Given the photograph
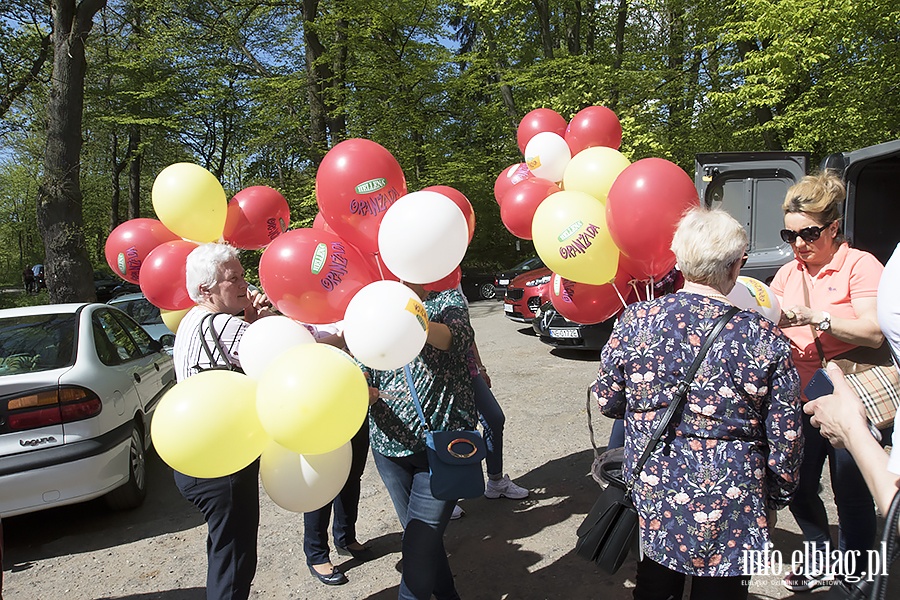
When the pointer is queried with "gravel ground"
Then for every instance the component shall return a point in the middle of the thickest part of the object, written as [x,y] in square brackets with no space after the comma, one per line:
[500,549]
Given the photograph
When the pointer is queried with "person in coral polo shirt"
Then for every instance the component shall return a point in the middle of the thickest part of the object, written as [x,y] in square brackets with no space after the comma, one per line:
[828,293]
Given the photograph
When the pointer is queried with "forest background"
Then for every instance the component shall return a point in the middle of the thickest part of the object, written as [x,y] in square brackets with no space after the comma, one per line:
[98,96]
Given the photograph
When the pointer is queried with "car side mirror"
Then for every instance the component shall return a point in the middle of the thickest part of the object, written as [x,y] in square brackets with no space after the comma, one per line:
[167,340]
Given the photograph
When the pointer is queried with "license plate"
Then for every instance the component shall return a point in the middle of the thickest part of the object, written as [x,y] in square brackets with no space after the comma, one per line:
[508,308]
[564,333]
[503,282]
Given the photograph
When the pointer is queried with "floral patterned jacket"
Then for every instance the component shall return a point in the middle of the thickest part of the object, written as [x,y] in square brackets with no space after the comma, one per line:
[731,452]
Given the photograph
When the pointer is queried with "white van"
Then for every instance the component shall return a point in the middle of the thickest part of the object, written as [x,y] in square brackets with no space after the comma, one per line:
[751,186]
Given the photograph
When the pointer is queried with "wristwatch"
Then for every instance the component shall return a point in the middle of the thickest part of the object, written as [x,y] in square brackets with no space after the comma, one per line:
[825,323]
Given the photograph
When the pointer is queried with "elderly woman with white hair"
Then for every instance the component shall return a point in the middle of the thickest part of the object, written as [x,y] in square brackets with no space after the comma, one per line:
[731,453]
[208,337]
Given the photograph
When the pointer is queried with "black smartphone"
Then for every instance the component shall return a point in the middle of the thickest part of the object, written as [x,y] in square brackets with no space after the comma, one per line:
[820,385]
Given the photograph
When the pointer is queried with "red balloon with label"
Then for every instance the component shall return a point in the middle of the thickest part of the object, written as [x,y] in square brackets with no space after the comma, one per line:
[357,181]
[460,200]
[519,204]
[311,275]
[510,176]
[256,216]
[129,244]
[644,206]
[163,275]
[449,282]
[588,304]
[538,121]
[593,126]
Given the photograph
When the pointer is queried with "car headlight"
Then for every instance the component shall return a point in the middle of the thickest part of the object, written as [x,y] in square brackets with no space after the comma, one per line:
[539,281]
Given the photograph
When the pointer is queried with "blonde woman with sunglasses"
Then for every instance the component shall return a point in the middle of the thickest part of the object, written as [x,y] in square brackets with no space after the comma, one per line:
[829,294]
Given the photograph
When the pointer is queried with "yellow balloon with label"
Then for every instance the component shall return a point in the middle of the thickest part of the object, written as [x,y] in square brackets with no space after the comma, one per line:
[570,235]
[753,294]
[172,318]
[190,201]
[312,398]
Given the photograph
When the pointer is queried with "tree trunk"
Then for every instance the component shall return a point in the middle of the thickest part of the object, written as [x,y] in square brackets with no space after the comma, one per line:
[621,21]
[318,130]
[543,10]
[134,172]
[67,267]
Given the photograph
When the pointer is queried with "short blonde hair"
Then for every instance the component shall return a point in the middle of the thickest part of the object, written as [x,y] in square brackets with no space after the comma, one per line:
[820,196]
[202,267]
[706,244]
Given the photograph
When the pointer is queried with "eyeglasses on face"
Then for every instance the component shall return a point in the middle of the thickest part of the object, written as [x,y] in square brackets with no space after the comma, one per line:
[744,260]
[807,234]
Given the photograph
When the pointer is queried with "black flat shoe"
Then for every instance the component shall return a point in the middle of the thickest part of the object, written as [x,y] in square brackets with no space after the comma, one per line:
[333,578]
[363,555]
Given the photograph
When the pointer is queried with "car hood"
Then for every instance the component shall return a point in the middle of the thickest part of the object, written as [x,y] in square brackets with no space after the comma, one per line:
[520,280]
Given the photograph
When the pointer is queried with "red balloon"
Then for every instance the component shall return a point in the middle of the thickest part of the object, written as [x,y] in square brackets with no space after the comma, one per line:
[460,200]
[356,183]
[510,176]
[593,126]
[646,270]
[643,208]
[312,275]
[256,216]
[518,205]
[538,121]
[589,304]
[449,282]
[129,244]
[163,275]
[320,223]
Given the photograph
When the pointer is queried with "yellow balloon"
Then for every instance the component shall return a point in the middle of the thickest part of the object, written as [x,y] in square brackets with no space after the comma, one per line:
[593,171]
[570,235]
[312,398]
[206,426]
[190,201]
[172,318]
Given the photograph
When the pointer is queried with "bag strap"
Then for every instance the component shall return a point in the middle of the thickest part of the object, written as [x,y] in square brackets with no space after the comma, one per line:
[415,397]
[815,332]
[217,342]
[681,390]
[892,547]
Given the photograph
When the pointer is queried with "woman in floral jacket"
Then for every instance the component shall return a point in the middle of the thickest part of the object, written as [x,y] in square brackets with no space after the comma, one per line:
[732,453]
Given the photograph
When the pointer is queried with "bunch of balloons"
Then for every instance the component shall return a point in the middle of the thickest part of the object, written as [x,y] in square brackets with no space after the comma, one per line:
[598,221]
[192,209]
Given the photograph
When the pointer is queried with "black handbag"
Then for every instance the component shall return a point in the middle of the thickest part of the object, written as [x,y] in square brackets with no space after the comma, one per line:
[610,529]
[454,457]
[874,587]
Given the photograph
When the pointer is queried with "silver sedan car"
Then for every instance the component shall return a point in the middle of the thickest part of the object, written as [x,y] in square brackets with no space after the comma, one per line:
[78,386]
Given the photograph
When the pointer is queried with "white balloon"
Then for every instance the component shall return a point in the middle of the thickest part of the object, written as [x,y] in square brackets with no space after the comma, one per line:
[547,155]
[302,483]
[753,294]
[385,325]
[268,337]
[423,237]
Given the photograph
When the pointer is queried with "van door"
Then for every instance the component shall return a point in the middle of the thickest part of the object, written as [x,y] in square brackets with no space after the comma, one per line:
[872,209]
[751,187]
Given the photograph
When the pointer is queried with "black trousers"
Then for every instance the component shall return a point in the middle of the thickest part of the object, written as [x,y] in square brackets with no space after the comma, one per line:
[230,506]
[346,507]
[656,582]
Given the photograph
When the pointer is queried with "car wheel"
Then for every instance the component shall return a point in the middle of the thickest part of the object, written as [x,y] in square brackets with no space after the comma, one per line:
[487,291]
[133,492]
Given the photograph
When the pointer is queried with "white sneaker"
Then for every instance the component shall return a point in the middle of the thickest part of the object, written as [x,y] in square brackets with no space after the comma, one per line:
[458,512]
[504,488]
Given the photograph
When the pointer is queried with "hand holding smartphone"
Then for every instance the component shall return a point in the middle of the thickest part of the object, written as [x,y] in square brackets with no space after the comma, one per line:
[821,385]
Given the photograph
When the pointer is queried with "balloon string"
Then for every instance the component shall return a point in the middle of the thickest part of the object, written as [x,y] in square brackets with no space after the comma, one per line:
[378,263]
[619,294]
[651,291]
[633,283]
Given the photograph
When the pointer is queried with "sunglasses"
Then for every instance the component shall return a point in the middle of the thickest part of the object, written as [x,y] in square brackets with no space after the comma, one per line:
[807,234]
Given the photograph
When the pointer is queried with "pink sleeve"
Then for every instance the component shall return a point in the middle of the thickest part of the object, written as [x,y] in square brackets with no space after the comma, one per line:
[864,276]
